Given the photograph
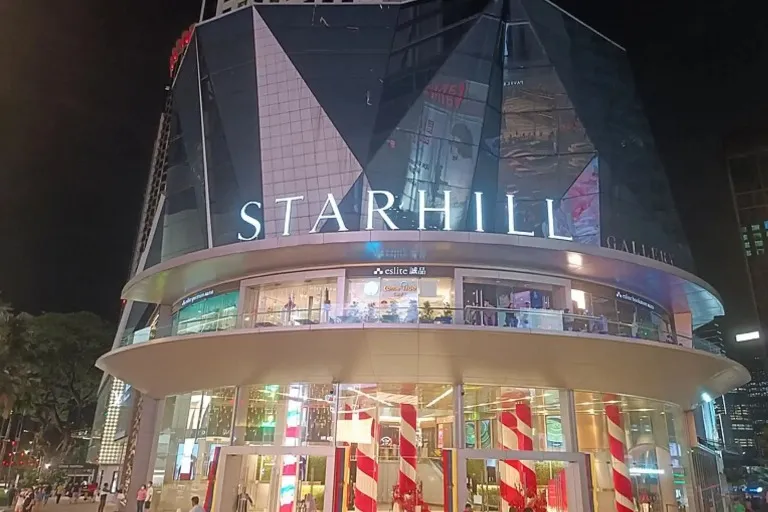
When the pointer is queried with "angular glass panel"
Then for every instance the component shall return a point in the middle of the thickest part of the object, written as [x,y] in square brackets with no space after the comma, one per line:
[185,223]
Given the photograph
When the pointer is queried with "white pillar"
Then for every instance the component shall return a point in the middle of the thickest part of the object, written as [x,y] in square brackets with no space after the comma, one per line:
[145,440]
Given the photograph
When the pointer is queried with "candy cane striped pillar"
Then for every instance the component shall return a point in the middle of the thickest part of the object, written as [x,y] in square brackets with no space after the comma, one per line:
[408,458]
[525,442]
[621,483]
[509,486]
[290,462]
[367,476]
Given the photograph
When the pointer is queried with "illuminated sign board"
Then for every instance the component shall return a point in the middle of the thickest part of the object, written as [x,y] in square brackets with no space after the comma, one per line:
[330,210]
[634,299]
[748,336]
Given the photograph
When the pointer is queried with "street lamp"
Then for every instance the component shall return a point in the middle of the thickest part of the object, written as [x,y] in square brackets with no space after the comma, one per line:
[47,465]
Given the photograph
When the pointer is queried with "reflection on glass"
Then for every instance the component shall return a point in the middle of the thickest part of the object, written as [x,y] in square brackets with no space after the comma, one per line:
[193,426]
[406,424]
[656,454]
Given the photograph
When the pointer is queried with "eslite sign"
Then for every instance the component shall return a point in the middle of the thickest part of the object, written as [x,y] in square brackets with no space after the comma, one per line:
[330,210]
[400,271]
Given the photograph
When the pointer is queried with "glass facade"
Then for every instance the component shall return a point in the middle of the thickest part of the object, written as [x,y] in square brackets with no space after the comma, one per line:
[395,300]
[291,302]
[192,427]
[206,312]
[449,106]
[415,423]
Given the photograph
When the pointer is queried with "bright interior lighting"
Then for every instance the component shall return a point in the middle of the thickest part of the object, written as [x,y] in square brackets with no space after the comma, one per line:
[579,298]
[574,259]
[748,336]
[706,397]
[443,395]
[645,471]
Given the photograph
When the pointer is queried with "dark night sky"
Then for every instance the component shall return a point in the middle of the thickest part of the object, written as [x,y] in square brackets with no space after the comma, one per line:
[81,89]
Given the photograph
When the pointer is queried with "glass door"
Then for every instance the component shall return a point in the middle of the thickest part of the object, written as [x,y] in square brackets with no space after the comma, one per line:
[273,479]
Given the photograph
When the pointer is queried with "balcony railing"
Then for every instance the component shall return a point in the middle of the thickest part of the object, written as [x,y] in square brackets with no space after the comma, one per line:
[528,319]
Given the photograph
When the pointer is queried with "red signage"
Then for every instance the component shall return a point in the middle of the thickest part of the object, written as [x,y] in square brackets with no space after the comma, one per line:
[448,95]
[181,45]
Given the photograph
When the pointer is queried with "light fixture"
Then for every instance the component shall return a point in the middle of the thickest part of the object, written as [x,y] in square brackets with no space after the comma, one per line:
[371,288]
[645,471]
[575,259]
[748,336]
[706,397]
[443,395]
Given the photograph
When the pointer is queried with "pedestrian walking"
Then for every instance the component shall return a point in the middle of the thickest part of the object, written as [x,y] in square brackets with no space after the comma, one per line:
[141,497]
[150,493]
[103,497]
[60,489]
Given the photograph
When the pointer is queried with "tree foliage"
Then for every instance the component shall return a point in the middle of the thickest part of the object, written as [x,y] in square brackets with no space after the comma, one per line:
[48,372]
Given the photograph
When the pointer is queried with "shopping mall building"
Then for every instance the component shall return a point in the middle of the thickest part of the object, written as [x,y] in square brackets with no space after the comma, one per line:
[410,255]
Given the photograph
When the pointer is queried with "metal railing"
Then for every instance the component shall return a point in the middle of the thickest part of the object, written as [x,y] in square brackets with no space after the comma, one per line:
[513,319]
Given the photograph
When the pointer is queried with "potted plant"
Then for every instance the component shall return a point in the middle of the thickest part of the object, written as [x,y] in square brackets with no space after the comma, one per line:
[427,313]
[447,316]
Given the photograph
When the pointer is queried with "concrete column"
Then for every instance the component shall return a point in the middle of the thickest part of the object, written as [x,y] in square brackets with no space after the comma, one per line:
[568,421]
[145,440]
[239,416]
[459,435]
[164,322]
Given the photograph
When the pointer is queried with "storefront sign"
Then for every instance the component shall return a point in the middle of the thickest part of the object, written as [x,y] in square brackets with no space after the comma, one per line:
[399,271]
[634,299]
[250,213]
[633,247]
[196,297]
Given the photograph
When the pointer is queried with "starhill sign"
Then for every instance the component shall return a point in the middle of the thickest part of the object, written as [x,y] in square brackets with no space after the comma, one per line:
[250,213]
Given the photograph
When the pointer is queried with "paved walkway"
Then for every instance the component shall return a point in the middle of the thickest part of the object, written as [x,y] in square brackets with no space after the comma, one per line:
[66,506]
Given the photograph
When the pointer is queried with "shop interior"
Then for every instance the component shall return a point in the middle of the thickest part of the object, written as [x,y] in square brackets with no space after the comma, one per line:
[399,300]
[215,313]
[530,304]
[305,302]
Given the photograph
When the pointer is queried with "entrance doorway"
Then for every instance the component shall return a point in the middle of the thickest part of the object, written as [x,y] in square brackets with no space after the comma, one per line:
[271,478]
[500,480]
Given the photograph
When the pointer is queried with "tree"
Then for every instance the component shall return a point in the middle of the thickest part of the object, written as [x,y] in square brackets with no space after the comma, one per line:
[61,391]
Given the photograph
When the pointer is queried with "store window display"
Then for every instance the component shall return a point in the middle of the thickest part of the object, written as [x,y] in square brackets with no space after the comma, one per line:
[511,303]
[297,303]
[267,405]
[657,454]
[399,424]
[193,426]
[627,314]
[206,312]
[399,300]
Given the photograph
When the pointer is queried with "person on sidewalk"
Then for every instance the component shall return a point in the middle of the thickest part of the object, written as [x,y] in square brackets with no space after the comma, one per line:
[196,505]
[141,497]
[150,493]
[103,497]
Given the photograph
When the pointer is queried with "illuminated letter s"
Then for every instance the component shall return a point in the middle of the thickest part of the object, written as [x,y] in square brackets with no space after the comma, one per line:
[250,220]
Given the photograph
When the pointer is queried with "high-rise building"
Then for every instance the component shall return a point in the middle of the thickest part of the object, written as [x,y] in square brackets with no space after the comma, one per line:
[747,155]
[391,249]
[734,415]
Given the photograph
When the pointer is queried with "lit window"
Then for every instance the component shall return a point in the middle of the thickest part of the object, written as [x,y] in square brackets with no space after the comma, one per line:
[746,245]
[749,253]
[755,227]
[765,224]
[758,243]
[757,235]
[743,229]
[744,237]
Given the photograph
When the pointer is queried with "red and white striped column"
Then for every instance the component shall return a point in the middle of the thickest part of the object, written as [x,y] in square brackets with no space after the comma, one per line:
[622,485]
[408,456]
[367,475]
[509,482]
[525,443]
[290,462]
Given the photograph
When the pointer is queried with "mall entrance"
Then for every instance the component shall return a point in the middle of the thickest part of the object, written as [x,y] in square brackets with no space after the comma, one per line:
[269,478]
